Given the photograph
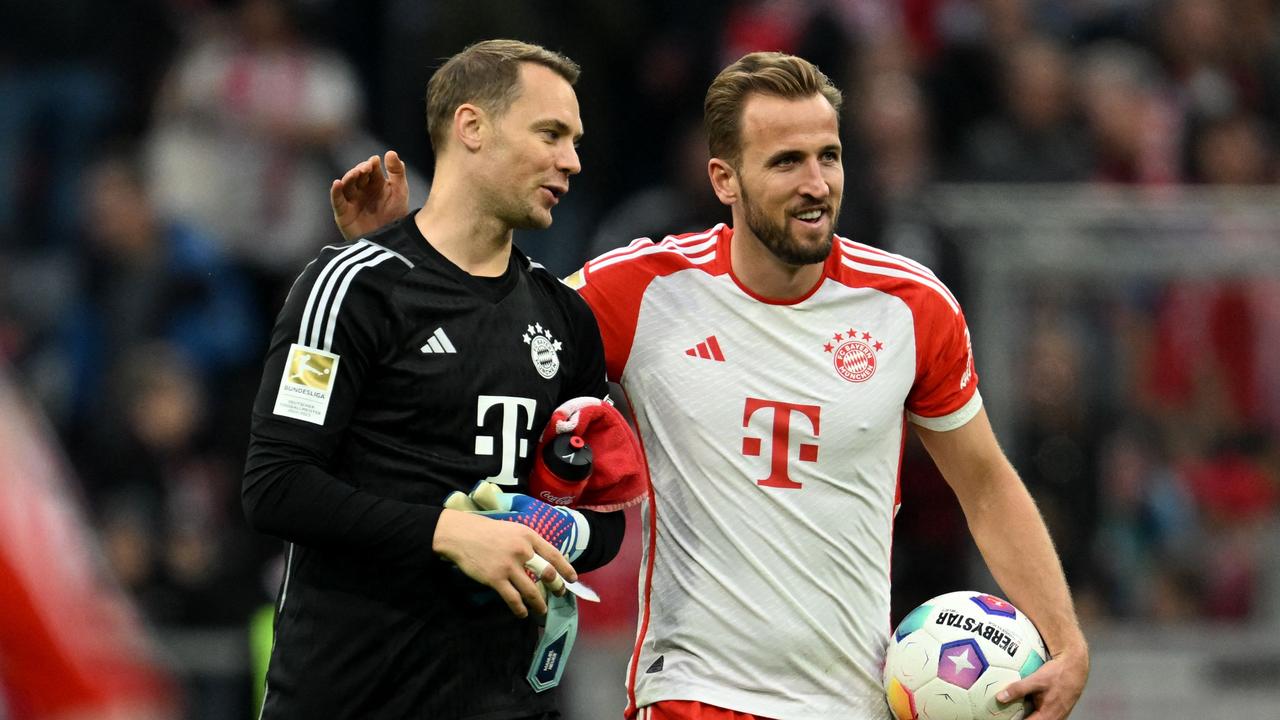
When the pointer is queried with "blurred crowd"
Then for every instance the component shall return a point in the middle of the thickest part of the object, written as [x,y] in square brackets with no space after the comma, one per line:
[163,176]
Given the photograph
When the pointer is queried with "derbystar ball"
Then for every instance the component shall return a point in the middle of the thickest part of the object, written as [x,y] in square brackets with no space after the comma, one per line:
[949,657]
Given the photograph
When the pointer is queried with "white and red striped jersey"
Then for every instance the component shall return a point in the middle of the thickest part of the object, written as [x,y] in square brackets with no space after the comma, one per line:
[774,433]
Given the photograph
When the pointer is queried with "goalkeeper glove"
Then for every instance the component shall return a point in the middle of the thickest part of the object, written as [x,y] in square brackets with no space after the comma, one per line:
[563,527]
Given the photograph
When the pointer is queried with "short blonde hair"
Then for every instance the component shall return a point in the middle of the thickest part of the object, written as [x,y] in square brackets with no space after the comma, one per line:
[767,73]
[487,74]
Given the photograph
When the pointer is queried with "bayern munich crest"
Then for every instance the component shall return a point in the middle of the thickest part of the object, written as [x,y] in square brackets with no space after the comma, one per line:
[544,350]
[854,354]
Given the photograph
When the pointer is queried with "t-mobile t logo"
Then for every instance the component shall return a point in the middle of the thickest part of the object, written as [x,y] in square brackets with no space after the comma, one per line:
[513,446]
[780,442]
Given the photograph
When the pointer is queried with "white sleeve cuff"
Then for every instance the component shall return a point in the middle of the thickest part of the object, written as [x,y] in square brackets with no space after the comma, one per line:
[952,421]
[578,539]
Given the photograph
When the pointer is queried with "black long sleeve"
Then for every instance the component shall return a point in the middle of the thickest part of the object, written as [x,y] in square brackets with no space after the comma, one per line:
[301,502]
[607,529]
[392,379]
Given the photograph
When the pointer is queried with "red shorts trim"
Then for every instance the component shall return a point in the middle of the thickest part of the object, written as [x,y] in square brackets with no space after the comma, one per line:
[690,710]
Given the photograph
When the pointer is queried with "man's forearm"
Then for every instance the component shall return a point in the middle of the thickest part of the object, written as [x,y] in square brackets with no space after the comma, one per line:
[286,496]
[1013,539]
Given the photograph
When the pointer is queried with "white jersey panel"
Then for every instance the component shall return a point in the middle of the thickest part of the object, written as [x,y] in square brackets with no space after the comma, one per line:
[774,437]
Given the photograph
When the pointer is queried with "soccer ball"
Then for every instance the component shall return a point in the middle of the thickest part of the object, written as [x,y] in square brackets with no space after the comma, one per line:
[950,656]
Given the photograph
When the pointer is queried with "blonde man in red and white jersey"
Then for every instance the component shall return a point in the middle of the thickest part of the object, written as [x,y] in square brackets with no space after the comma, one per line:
[773,368]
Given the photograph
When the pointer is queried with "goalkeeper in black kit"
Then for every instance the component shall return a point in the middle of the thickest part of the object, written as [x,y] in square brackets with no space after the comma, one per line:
[414,362]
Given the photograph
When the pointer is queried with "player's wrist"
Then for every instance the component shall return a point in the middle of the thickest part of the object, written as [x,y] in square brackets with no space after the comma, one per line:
[576,544]
[1065,634]
[451,528]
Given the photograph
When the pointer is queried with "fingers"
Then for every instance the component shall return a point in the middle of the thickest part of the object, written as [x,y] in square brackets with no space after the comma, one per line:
[1009,694]
[397,182]
[495,554]
[1029,689]
[487,496]
[530,591]
[365,179]
[552,580]
[460,502]
[521,594]
[397,187]
[352,180]
[512,596]
[1017,690]
[371,179]
[336,199]
[543,571]
[1044,713]
[553,556]
[1048,708]
[395,166]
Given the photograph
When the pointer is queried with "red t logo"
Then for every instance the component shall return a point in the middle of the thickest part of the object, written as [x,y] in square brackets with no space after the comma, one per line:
[780,444]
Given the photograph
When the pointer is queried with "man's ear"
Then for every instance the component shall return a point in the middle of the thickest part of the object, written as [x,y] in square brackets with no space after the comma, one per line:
[724,180]
[470,125]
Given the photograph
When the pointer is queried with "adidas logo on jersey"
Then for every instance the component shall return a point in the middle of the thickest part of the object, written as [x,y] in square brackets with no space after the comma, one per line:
[438,343]
[708,349]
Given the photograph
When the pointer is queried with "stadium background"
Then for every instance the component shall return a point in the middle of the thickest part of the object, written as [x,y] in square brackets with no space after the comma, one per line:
[1095,179]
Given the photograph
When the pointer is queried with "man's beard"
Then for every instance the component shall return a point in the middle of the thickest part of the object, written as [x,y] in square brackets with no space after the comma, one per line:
[779,241]
[517,213]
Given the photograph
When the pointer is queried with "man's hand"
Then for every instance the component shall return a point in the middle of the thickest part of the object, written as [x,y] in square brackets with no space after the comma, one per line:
[1055,687]
[494,554]
[566,529]
[365,200]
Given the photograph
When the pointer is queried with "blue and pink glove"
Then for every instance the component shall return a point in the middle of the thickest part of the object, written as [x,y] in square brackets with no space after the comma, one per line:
[563,527]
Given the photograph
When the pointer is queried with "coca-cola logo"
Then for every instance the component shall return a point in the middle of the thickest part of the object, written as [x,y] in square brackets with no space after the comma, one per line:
[546,496]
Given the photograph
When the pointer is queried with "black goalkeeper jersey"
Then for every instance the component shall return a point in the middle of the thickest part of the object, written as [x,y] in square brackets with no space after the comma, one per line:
[392,379]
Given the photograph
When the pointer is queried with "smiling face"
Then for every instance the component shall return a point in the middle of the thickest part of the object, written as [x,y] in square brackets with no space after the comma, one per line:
[533,150]
[790,179]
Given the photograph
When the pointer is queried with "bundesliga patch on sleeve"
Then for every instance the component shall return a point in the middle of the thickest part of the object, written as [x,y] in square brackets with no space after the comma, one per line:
[307,384]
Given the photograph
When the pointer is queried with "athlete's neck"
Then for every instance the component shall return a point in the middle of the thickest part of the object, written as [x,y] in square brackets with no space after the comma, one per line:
[468,237]
[761,272]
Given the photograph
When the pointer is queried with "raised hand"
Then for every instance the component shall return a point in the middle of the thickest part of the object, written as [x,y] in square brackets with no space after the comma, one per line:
[365,199]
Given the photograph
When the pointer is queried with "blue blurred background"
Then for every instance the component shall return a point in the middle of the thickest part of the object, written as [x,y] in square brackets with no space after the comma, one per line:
[1095,179]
